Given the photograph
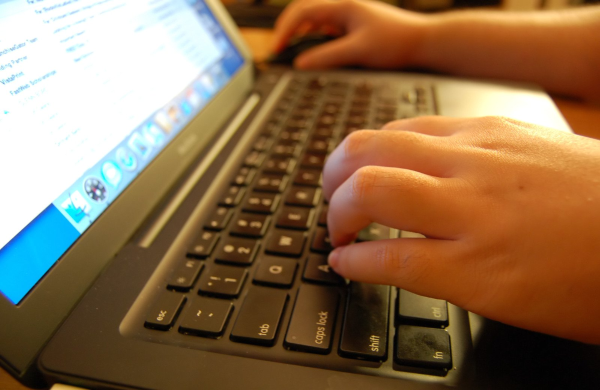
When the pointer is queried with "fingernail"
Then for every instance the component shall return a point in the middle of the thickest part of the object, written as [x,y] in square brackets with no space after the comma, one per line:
[334,258]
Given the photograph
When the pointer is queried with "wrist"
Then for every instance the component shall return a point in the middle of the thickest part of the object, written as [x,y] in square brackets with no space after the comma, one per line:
[424,38]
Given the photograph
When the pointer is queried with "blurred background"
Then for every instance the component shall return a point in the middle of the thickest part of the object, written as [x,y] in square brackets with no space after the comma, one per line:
[262,13]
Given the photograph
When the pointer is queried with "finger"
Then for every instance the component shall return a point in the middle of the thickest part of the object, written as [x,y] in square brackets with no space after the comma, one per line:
[430,125]
[408,150]
[401,199]
[316,13]
[424,266]
[339,52]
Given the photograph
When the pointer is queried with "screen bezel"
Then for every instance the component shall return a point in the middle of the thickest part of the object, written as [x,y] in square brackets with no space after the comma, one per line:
[28,325]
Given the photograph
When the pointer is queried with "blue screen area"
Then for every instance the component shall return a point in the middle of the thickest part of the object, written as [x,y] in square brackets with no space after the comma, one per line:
[28,256]
[101,103]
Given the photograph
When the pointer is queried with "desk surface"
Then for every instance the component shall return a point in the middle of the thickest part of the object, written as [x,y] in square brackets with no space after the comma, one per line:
[584,119]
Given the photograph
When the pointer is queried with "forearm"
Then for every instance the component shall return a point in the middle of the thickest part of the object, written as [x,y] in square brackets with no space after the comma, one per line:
[559,51]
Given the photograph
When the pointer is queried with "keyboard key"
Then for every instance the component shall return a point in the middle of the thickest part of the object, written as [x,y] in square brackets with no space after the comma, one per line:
[185,275]
[303,196]
[219,219]
[323,216]
[163,313]
[260,316]
[276,271]
[365,329]
[271,128]
[203,245]
[286,243]
[298,218]
[250,225]
[374,232]
[323,132]
[263,143]
[265,203]
[308,177]
[232,197]
[294,135]
[254,159]
[318,271]
[287,148]
[271,183]
[280,165]
[206,317]
[313,319]
[300,124]
[319,146]
[237,251]
[419,310]
[244,177]
[223,281]
[423,347]
[313,161]
[321,242]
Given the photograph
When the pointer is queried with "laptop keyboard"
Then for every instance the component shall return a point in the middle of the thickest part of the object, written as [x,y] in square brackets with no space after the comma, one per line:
[257,277]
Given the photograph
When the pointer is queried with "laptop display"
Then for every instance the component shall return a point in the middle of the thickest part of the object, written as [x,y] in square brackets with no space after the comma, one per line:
[163,225]
[94,91]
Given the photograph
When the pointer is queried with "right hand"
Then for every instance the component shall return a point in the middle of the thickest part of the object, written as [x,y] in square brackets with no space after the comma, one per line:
[372,34]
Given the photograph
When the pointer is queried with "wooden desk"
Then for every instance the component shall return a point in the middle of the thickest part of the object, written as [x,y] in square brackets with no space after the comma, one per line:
[584,119]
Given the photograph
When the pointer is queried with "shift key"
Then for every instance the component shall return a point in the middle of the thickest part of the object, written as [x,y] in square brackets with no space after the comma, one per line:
[365,330]
[313,319]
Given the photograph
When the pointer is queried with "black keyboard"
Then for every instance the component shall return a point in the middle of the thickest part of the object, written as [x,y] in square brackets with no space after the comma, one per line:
[256,282]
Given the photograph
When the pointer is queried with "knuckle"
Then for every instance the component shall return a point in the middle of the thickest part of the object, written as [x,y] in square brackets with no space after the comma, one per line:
[405,268]
[363,181]
[355,141]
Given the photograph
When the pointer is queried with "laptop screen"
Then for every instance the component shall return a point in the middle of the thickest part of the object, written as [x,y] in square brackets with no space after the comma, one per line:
[91,91]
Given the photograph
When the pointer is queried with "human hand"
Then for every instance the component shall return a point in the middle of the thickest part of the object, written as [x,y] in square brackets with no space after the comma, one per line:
[510,211]
[371,33]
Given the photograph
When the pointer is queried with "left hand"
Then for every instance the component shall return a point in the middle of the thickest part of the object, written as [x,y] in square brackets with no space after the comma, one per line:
[510,211]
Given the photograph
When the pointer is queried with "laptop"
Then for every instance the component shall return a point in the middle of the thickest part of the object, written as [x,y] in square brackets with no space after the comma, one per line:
[165,227]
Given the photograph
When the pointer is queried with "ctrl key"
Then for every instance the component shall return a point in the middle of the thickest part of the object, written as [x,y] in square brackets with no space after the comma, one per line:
[423,347]
[164,312]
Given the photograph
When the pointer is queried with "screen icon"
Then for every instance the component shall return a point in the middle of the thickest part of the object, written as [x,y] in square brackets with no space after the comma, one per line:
[95,189]
[163,121]
[111,173]
[193,97]
[186,107]
[174,114]
[76,206]
[126,159]
[139,146]
[153,134]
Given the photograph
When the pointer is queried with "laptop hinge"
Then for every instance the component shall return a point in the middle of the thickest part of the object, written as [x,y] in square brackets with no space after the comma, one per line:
[200,170]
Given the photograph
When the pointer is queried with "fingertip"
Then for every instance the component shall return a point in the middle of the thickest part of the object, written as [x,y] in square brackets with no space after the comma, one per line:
[334,258]
[303,62]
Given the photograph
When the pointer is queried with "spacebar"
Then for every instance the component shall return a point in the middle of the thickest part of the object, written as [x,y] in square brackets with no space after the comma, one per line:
[313,320]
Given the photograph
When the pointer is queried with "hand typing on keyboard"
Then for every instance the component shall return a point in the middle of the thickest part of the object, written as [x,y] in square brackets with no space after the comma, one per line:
[510,211]
[553,49]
